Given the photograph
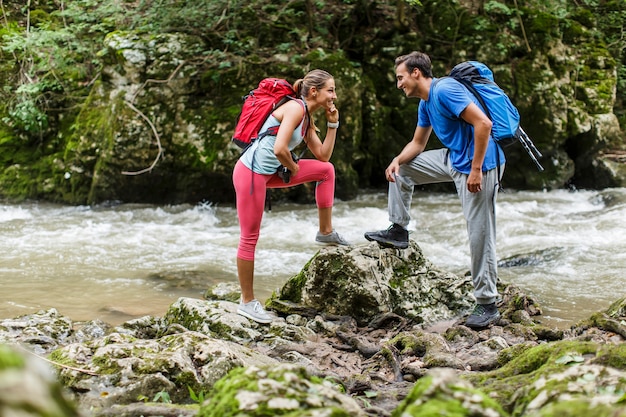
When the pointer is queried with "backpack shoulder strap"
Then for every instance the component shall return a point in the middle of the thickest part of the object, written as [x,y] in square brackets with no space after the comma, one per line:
[470,87]
[274,129]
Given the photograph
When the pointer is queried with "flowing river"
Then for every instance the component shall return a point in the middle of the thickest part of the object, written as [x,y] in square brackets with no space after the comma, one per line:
[114,263]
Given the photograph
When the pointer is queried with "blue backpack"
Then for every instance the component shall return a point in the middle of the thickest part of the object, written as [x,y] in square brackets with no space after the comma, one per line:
[506,129]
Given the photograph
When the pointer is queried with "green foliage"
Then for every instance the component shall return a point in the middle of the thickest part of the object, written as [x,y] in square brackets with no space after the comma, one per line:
[204,17]
[198,398]
[55,58]
[25,115]
[611,24]
[162,396]
[51,58]
[495,7]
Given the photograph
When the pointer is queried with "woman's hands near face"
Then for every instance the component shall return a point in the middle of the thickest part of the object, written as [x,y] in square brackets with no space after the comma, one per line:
[332,114]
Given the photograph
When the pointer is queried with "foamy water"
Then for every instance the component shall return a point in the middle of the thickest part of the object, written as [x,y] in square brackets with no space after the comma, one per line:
[101,262]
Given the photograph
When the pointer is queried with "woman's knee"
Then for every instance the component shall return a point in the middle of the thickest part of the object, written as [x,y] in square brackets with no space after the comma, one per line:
[247,247]
[245,254]
[329,171]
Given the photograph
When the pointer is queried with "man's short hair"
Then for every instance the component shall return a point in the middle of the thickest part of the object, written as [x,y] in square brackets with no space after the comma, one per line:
[418,60]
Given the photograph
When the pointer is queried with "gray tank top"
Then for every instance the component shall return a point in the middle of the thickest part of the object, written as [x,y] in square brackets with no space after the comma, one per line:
[260,157]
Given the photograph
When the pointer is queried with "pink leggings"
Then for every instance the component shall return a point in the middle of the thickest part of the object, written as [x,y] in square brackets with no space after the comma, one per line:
[251,189]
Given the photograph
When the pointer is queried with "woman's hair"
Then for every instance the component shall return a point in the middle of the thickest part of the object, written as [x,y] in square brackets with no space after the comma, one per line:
[316,78]
[418,60]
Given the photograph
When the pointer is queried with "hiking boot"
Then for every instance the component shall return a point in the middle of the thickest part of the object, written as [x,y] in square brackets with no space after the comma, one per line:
[395,236]
[333,238]
[483,315]
[254,311]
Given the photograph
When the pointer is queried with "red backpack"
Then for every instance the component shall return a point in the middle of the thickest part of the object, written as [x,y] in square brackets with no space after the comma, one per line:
[258,104]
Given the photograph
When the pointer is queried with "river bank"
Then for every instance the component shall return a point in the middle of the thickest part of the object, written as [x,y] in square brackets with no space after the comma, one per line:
[372,361]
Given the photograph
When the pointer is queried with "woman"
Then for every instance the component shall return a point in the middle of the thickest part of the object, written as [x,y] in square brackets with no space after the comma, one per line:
[257,168]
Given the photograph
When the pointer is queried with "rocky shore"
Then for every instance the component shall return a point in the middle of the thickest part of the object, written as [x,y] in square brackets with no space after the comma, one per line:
[360,331]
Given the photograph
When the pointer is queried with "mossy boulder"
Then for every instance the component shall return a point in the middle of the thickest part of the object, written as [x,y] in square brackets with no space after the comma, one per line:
[316,364]
[569,371]
[284,390]
[442,393]
[366,281]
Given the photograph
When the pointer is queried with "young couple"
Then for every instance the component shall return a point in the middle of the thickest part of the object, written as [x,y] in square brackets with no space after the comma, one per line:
[469,160]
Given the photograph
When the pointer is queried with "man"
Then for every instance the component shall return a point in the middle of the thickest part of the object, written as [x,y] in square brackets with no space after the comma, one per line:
[469,159]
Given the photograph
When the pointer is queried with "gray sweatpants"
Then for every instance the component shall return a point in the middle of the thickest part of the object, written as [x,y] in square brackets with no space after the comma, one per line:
[479,210]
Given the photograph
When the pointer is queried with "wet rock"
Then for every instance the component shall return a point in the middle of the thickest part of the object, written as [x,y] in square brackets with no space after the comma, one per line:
[147,410]
[514,301]
[193,280]
[43,331]
[611,320]
[146,327]
[90,330]
[484,356]
[533,258]
[227,291]
[617,309]
[216,318]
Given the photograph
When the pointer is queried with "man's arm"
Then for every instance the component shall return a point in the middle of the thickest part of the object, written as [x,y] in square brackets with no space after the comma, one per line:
[482,128]
[410,151]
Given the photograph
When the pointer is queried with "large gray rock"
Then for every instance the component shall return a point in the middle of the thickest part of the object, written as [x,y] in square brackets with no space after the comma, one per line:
[204,347]
[366,281]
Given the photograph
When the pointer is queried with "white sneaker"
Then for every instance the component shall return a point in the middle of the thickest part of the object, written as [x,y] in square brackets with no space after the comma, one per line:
[333,238]
[254,311]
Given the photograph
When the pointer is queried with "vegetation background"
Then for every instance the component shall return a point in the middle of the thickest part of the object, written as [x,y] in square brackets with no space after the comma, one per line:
[135,100]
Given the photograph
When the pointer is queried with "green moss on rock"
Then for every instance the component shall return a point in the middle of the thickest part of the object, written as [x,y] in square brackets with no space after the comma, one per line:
[547,373]
[441,393]
[578,408]
[286,390]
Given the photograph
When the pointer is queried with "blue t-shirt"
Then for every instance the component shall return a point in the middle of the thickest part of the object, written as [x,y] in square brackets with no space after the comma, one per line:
[260,157]
[446,101]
